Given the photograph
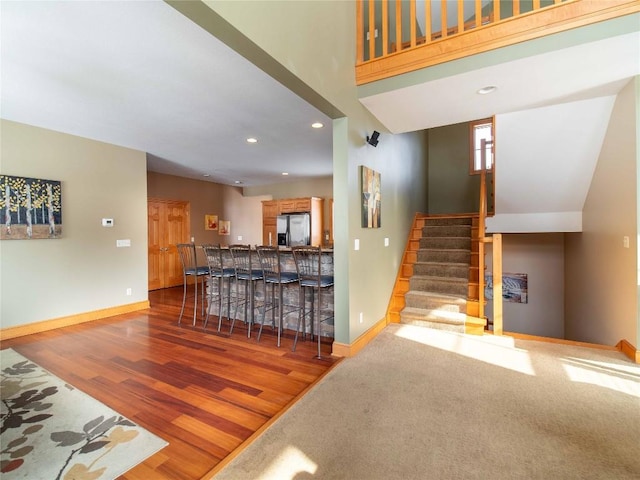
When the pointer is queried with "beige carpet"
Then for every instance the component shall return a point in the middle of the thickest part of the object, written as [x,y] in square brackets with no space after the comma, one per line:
[427,404]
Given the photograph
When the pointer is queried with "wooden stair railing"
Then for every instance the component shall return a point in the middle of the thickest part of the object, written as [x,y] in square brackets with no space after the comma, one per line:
[482,240]
[389,41]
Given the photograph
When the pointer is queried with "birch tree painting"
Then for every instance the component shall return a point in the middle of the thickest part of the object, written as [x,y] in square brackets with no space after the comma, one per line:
[31,207]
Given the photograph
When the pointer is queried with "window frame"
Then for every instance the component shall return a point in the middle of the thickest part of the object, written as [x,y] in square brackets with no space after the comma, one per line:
[472,151]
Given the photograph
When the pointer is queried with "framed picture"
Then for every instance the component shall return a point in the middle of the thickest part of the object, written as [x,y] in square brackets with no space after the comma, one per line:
[211,222]
[30,208]
[514,287]
[224,227]
[371,197]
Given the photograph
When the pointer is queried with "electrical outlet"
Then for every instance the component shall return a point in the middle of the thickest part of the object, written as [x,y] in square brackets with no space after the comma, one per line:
[625,241]
[239,238]
[361,318]
[356,244]
[128,292]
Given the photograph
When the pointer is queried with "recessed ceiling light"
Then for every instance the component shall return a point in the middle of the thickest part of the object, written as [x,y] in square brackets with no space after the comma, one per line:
[317,125]
[486,90]
[206,175]
[285,173]
[252,140]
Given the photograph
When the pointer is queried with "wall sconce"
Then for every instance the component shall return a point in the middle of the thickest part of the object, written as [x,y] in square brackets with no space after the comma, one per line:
[373,140]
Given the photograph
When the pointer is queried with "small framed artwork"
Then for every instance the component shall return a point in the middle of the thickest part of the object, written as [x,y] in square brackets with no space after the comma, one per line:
[514,287]
[371,197]
[211,222]
[30,208]
[224,228]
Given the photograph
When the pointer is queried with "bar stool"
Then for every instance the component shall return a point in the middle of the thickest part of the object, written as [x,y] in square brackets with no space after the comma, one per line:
[218,272]
[190,268]
[309,265]
[276,277]
[248,274]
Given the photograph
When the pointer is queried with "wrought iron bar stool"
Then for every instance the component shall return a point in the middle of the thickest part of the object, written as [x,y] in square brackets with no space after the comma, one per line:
[218,272]
[276,278]
[249,274]
[309,265]
[190,268]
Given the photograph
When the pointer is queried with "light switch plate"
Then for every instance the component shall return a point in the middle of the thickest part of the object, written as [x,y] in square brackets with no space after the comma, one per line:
[123,243]
[356,244]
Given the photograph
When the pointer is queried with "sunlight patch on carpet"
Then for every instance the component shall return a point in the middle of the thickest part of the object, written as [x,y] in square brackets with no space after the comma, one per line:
[491,349]
[52,430]
[289,465]
[621,378]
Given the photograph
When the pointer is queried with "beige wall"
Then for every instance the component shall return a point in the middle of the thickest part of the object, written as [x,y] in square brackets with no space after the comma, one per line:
[601,275]
[314,187]
[541,257]
[82,271]
[208,198]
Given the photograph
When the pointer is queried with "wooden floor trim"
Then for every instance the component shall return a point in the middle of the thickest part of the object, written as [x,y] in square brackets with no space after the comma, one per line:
[225,461]
[45,325]
[629,350]
[349,350]
[623,346]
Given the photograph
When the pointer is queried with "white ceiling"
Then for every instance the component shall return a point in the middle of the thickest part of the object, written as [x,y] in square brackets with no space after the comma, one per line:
[141,75]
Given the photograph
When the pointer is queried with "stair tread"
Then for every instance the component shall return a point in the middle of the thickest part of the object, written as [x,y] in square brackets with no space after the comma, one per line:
[441,279]
[439,264]
[440,249]
[449,237]
[431,315]
[442,296]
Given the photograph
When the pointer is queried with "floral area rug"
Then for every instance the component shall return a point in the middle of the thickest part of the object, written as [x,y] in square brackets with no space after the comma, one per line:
[50,430]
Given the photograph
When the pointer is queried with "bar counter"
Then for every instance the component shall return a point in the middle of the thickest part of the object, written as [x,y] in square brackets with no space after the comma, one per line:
[290,295]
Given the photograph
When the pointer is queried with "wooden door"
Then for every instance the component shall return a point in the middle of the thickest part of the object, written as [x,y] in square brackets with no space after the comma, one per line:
[168,225]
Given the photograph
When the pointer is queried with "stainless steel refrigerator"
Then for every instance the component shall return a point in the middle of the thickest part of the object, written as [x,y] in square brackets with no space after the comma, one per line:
[294,229]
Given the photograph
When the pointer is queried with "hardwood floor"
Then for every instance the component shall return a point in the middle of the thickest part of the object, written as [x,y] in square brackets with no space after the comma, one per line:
[202,392]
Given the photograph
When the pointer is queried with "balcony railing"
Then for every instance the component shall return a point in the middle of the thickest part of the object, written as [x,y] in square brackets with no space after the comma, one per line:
[400,36]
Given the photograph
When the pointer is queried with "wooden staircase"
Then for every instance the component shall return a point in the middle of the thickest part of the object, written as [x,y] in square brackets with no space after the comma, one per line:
[438,282]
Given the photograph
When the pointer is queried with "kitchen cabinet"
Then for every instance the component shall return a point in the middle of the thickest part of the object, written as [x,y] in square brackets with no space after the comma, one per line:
[272,208]
[269,222]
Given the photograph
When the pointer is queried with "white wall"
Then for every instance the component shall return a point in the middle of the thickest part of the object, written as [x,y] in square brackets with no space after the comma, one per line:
[82,271]
[541,257]
[552,149]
